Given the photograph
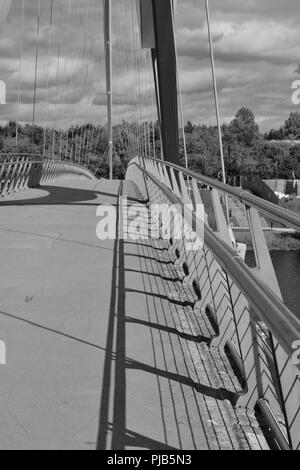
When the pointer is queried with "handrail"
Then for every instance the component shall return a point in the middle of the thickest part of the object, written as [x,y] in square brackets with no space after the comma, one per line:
[19,154]
[43,159]
[36,155]
[284,216]
[284,325]
[14,162]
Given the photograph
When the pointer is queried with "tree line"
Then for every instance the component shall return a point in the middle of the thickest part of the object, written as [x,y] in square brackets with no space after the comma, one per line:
[275,154]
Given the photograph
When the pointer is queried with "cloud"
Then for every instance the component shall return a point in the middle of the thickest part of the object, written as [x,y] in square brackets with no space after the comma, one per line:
[256,46]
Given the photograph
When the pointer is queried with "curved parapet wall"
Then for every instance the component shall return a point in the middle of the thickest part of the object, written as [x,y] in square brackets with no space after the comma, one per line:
[21,172]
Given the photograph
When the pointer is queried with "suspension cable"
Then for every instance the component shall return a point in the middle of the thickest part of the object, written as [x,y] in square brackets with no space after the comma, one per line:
[216,101]
[20,72]
[179,92]
[36,71]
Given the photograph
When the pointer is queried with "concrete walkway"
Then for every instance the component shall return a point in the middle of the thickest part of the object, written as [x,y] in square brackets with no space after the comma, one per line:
[98,356]
[55,289]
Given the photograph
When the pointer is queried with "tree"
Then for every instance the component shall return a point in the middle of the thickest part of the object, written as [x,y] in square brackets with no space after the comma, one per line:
[275,134]
[291,128]
[243,128]
[189,128]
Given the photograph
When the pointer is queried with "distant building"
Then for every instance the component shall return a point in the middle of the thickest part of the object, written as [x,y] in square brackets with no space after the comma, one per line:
[288,142]
[284,188]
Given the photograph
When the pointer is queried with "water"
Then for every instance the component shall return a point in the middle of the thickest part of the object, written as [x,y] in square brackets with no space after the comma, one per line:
[287,267]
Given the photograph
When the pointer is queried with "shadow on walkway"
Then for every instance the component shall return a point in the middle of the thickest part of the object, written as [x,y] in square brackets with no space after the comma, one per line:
[57,195]
[192,405]
[51,330]
[104,425]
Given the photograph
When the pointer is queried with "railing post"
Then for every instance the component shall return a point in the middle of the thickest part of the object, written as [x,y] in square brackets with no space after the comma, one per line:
[184,192]
[175,183]
[7,178]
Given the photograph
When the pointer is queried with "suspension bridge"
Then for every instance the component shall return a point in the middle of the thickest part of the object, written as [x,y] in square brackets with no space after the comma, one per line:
[128,342]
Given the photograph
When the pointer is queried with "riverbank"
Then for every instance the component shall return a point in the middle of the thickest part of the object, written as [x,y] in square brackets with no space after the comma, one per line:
[275,241]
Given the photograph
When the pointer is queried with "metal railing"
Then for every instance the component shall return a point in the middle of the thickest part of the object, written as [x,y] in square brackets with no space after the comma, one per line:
[266,208]
[21,171]
[254,323]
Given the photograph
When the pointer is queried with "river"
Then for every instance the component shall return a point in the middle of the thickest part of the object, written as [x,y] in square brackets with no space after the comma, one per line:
[287,267]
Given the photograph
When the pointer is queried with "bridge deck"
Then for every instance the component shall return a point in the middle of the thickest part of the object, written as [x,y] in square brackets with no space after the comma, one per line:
[94,354]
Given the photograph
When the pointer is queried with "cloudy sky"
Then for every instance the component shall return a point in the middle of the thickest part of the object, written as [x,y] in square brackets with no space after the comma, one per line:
[257,52]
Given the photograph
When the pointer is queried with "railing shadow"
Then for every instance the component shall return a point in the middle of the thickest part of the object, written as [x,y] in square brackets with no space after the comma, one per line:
[115,321]
[58,195]
[192,403]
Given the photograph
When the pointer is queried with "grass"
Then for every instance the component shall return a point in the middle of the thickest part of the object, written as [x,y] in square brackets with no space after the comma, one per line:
[275,241]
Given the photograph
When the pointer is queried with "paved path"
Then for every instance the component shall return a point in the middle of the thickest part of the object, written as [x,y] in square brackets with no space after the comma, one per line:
[94,355]
[55,293]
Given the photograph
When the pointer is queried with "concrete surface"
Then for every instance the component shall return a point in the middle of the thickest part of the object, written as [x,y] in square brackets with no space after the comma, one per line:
[95,359]
[55,293]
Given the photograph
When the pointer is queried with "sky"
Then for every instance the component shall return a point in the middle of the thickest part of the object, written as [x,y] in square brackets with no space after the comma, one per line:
[257,56]
[256,46]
